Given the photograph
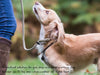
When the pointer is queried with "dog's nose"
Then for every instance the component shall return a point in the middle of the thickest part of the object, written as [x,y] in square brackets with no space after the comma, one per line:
[36,3]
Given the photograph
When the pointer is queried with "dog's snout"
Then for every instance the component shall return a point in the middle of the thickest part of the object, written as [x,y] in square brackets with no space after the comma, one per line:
[36,3]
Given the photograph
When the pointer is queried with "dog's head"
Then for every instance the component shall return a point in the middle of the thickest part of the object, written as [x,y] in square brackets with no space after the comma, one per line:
[49,19]
[45,16]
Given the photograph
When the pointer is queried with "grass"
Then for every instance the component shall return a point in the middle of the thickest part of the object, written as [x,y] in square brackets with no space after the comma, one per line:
[35,67]
[28,67]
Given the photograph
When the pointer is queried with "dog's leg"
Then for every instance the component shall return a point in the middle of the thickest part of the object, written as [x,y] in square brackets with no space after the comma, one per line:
[58,64]
[63,69]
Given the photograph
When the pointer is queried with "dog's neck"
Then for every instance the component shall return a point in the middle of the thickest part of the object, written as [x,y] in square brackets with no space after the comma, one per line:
[42,37]
[42,33]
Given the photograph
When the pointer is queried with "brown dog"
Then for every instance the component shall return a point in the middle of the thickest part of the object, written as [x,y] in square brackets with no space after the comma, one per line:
[70,52]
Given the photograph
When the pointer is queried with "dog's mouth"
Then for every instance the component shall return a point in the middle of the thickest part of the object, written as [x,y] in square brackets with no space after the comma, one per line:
[35,11]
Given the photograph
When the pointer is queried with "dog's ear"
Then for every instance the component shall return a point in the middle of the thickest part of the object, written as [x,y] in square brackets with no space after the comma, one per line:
[54,32]
[58,30]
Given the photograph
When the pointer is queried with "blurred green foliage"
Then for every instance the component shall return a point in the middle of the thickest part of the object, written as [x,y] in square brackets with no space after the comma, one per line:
[73,11]
[27,7]
[79,11]
[88,18]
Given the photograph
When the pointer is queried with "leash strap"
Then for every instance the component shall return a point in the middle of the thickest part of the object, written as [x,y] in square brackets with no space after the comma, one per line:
[47,47]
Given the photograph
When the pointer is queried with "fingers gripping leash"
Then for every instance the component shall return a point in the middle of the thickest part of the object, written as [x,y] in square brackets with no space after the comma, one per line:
[39,42]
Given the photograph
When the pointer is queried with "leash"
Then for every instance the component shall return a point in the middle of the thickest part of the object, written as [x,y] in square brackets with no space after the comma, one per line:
[39,42]
[23,31]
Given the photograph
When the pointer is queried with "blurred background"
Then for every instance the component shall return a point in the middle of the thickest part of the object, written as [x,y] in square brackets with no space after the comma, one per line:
[78,17]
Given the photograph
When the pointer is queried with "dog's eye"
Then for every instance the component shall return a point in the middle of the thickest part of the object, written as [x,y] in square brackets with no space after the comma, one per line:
[47,12]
